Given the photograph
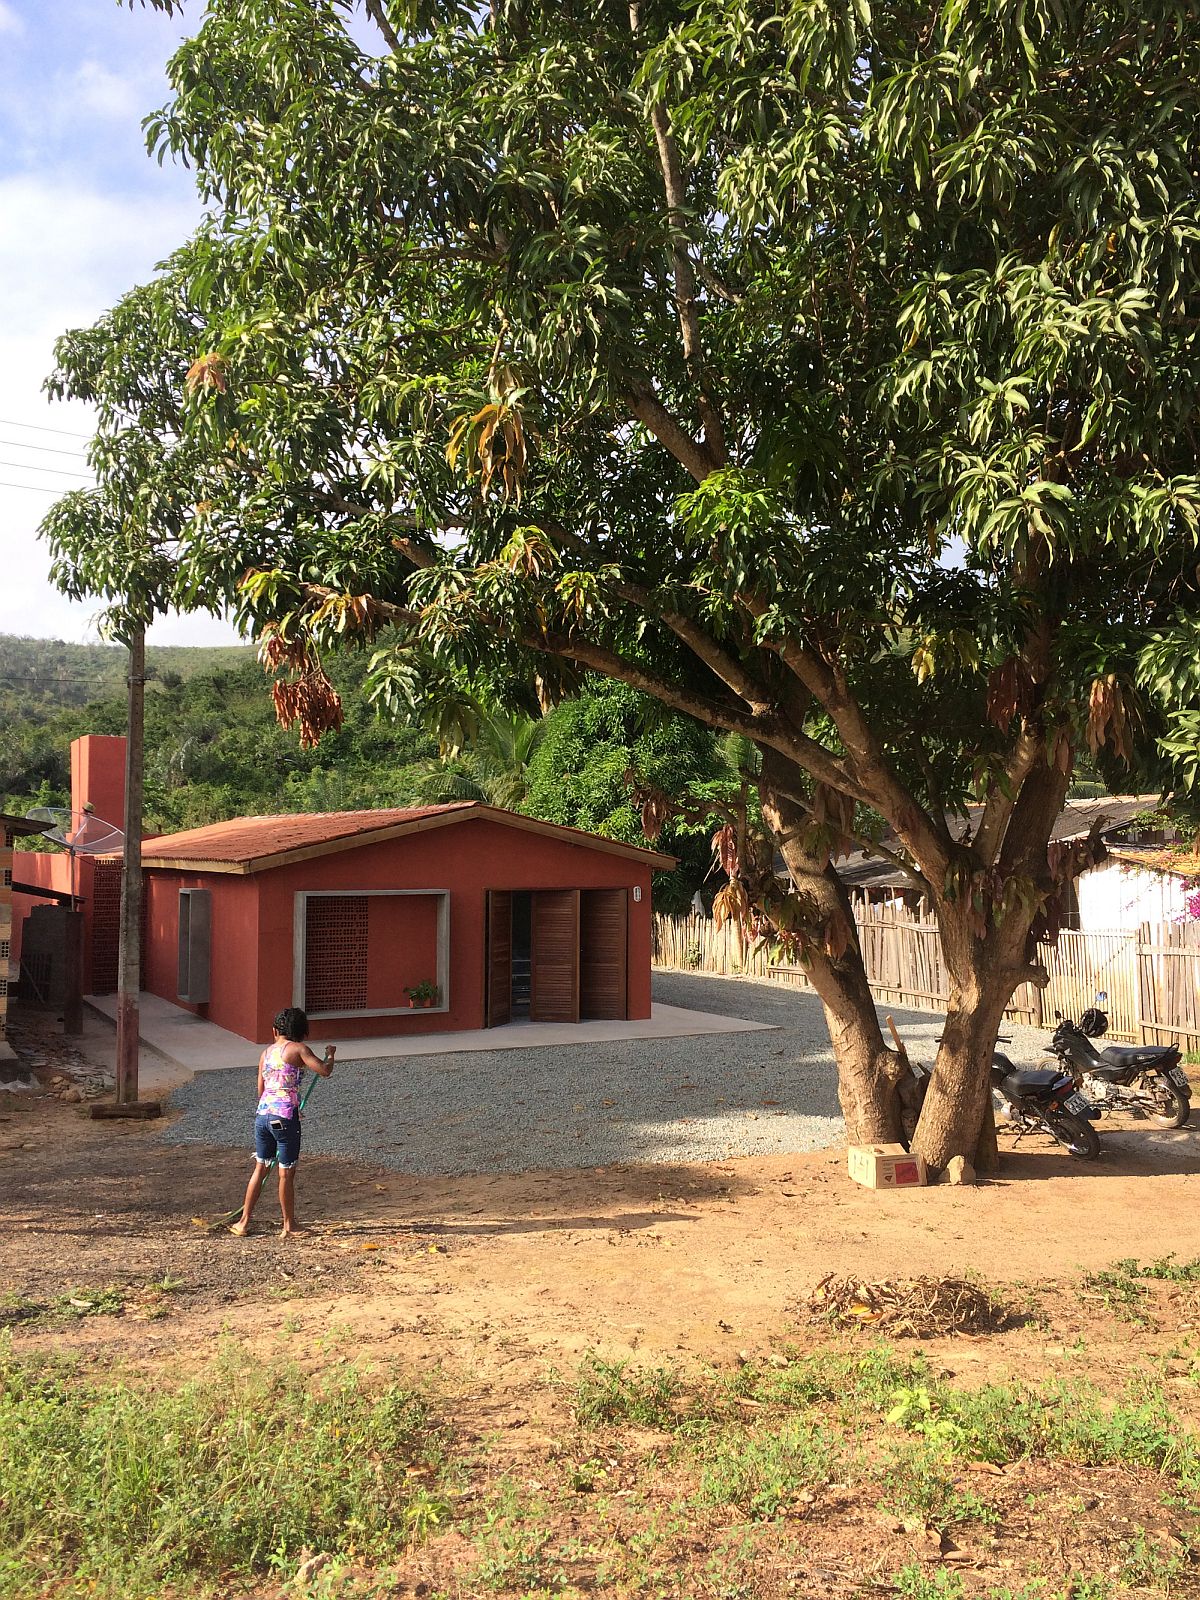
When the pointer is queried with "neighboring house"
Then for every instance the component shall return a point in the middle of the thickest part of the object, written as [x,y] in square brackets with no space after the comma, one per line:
[343,912]
[1139,883]
[1142,880]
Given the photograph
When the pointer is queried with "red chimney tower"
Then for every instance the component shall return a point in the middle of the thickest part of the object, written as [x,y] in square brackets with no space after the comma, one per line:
[98,776]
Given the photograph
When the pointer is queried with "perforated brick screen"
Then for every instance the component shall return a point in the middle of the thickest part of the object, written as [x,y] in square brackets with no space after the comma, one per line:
[106,926]
[335,953]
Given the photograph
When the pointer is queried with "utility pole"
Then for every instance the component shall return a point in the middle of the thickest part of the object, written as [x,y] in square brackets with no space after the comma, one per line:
[129,958]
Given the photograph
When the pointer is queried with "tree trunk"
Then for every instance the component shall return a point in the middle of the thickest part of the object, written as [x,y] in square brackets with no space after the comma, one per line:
[868,1071]
[956,1119]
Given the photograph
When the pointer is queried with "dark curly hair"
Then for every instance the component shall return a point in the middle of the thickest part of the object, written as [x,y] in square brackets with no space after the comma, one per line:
[292,1023]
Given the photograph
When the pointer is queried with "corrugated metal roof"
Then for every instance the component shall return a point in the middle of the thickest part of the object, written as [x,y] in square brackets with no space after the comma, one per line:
[252,844]
[1159,858]
[1117,811]
[21,825]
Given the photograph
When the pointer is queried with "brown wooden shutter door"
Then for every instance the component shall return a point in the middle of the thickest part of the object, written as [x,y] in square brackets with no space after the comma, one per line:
[603,954]
[554,985]
[498,1007]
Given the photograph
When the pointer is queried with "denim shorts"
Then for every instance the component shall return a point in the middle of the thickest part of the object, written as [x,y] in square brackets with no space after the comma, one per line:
[277,1136]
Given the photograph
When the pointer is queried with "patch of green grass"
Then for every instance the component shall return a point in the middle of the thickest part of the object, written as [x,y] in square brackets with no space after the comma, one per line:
[1118,1289]
[89,1303]
[1067,1421]
[513,1543]
[920,1583]
[608,1393]
[918,1486]
[1166,1268]
[231,1474]
[16,1308]
[762,1473]
[73,1305]
[585,1477]
[853,1382]
[1150,1563]
[917,1410]
[940,1583]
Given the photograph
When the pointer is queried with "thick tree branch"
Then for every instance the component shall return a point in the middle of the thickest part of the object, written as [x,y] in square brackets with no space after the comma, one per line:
[652,414]
[684,277]
[731,671]
[871,771]
[375,10]
[712,280]
[683,274]
[868,846]
[763,730]
[727,715]
[1003,795]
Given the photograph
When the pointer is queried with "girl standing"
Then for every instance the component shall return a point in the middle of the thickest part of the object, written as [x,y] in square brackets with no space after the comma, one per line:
[277,1121]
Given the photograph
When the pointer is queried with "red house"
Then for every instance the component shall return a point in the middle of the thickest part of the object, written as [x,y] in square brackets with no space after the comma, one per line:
[501,916]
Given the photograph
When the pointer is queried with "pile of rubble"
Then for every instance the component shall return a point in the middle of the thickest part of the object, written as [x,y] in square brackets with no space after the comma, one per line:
[48,1064]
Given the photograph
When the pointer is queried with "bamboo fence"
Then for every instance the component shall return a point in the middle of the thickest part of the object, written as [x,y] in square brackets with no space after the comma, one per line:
[1151,974]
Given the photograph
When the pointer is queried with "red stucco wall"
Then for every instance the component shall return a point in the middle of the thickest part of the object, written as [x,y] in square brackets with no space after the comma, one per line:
[98,776]
[252,920]
[402,936]
[235,952]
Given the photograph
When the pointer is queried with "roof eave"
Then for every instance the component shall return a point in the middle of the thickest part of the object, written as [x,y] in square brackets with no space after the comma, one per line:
[654,859]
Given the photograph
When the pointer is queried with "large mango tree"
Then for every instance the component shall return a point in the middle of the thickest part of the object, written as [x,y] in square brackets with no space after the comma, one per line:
[826,370]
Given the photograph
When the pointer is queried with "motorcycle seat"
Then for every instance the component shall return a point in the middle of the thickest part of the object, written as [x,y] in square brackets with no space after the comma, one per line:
[1132,1055]
[1023,1079]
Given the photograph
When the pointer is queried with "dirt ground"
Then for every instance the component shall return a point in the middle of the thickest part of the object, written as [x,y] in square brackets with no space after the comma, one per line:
[494,1282]
[657,1260]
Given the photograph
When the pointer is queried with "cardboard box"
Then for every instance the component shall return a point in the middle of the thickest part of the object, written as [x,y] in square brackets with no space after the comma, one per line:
[885,1166]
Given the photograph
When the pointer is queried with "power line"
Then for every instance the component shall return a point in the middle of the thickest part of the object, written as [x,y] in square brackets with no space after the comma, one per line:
[38,488]
[44,449]
[37,427]
[61,472]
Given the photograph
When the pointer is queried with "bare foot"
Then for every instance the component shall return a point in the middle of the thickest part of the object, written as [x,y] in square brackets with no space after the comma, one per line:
[240,1228]
[295,1228]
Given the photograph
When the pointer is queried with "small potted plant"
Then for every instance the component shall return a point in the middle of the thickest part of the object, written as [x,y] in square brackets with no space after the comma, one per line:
[423,994]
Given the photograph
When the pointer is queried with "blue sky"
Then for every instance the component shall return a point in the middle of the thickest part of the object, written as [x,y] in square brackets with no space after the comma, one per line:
[84,214]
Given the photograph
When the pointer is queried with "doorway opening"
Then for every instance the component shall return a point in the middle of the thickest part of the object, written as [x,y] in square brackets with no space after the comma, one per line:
[522,953]
[557,955]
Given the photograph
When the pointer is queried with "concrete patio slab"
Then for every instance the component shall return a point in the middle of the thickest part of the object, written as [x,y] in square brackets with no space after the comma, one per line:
[199,1046]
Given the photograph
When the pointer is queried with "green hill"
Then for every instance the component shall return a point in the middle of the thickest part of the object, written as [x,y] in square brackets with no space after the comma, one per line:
[213,746]
[48,674]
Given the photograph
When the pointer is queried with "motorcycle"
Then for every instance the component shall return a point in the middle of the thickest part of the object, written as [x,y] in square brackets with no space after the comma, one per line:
[1044,1098]
[1145,1080]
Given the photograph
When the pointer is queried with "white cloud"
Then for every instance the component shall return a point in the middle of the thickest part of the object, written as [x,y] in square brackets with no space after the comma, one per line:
[107,94]
[67,251]
[10,22]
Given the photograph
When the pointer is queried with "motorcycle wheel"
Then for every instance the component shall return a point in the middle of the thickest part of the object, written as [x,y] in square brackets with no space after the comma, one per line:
[1173,1106]
[1078,1136]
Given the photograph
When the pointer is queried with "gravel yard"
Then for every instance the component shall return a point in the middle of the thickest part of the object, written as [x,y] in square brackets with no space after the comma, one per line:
[704,1098]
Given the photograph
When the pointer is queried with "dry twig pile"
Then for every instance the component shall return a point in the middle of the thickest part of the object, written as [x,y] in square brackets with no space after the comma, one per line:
[910,1308]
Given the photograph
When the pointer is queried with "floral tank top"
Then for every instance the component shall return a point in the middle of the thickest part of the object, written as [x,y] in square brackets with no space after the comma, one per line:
[281,1084]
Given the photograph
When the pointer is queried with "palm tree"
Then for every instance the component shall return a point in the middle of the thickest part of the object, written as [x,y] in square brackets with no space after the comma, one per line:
[490,763]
